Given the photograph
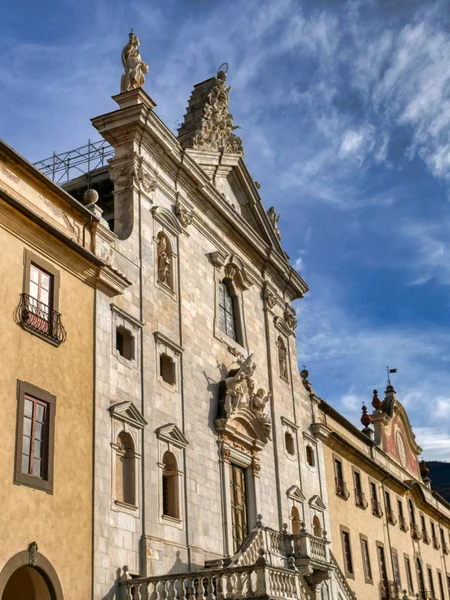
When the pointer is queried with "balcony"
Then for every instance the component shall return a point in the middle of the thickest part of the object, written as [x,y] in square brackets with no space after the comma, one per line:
[376,508]
[360,499]
[38,318]
[390,516]
[341,488]
[402,523]
[445,548]
[270,565]
[390,590]
[415,532]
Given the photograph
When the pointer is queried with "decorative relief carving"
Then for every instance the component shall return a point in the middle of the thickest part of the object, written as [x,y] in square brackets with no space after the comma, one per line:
[269,298]
[32,554]
[185,216]
[216,126]
[235,352]
[134,67]
[148,181]
[164,261]
[274,218]
[289,317]
[125,176]
[240,402]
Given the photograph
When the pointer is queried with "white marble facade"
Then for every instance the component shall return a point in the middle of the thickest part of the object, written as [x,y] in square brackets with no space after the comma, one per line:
[209,210]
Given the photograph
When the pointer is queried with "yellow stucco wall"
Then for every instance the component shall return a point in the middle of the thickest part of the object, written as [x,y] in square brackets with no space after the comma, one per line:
[61,523]
[345,513]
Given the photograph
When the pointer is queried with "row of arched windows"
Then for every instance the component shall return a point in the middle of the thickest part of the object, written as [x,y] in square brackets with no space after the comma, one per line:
[125,483]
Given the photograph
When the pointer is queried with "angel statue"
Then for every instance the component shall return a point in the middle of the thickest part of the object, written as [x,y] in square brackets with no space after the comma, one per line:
[237,387]
[134,67]
[274,218]
[259,402]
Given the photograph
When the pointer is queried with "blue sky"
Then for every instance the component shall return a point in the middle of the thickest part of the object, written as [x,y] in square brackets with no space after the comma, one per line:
[345,116]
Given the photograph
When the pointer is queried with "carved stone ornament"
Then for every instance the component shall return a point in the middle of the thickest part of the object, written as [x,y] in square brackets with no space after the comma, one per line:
[270,298]
[239,402]
[216,126]
[235,352]
[32,554]
[134,67]
[274,218]
[184,215]
[125,176]
[289,317]
[148,181]
[256,465]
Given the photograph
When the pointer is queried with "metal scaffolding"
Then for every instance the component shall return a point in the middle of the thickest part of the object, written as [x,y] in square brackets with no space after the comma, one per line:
[66,166]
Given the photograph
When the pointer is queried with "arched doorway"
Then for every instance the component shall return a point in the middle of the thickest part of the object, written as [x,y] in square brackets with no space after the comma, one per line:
[27,582]
[28,575]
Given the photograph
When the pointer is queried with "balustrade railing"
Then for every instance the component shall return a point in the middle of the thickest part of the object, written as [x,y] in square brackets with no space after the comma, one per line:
[416,534]
[341,488]
[254,581]
[360,498]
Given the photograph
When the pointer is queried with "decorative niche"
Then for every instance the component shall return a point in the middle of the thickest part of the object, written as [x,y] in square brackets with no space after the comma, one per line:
[166,229]
[126,337]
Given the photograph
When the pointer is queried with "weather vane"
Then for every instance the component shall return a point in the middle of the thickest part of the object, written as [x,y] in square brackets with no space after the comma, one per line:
[389,371]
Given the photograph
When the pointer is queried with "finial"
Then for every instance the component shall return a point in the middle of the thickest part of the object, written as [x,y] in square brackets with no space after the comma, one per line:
[134,67]
[376,402]
[365,418]
[424,470]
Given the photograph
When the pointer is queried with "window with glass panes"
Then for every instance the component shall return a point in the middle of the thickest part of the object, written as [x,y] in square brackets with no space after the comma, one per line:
[238,495]
[347,552]
[34,437]
[40,292]
[227,318]
[366,558]
[396,569]
[409,575]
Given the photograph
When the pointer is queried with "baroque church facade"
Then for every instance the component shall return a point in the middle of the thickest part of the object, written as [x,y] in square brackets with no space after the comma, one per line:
[217,472]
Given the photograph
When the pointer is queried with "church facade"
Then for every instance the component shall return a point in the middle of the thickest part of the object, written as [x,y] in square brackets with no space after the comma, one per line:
[209,467]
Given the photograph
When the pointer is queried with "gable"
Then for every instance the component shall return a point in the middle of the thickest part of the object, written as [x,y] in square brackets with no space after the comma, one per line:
[128,413]
[295,493]
[317,503]
[399,440]
[172,434]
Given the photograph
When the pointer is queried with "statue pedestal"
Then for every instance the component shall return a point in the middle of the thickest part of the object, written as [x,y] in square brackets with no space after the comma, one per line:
[134,97]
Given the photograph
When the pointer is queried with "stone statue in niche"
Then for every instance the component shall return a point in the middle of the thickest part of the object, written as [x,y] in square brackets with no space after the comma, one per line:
[134,67]
[239,395]
[282,359]
[164,261]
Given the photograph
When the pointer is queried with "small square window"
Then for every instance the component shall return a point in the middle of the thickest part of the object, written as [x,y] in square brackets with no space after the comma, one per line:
[289,442]
[125,343]
[167,369]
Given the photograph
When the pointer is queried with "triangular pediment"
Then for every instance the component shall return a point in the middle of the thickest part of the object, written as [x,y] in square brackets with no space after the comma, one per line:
[317,503]
[295,493]
[172,434]
[127,412]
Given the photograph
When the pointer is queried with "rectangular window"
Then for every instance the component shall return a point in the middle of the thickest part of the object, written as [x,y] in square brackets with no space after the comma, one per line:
[401,516]
[366,559]
[409,575]
[359,494]
[431,582]
[227,318]
[374,498]
[238,505]
[348,562]
[425,536]
[341,488]
[383,569]
[441,585]
[35,437]
[396,569]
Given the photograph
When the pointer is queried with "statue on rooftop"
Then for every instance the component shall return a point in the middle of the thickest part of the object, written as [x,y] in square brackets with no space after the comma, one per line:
[134,67]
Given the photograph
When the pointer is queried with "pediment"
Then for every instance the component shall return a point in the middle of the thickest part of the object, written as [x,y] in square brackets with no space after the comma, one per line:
[167,219]
[127,412]
[172,434]
[295,493]
[317,503]
[244,427]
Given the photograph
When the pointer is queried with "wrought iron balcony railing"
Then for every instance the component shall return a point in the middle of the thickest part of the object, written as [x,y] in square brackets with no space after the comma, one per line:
[426,537]
[390,590]
[341,488]
[445,548]
[436,544]
[360,499]
[40,318]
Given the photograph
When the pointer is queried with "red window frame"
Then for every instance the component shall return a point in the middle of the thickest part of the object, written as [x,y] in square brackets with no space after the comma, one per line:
[39,422]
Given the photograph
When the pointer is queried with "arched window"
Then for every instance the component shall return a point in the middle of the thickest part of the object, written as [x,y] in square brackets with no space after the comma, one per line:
[170,486]
[296,523]
[165,270]
[310,456]
[125,470]
[420,579]
[317,527]
[227,312]
[282,358]
[289,443]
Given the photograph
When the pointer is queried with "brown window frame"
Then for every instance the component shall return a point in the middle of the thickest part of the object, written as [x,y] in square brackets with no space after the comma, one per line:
[345,531]
[24,390]
[396,568]
[368,572]
[409,576]
[382,565]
